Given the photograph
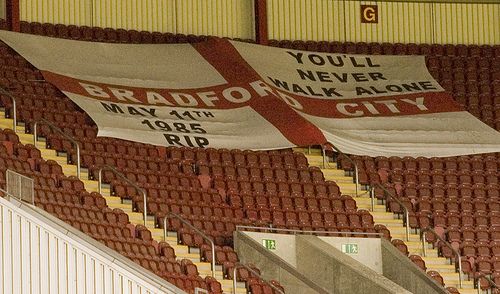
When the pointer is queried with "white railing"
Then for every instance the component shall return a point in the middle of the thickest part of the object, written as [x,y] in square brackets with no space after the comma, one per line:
[20,186]
[41,254]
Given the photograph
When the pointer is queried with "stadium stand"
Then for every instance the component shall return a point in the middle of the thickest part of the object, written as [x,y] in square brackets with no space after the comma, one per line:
[216,190]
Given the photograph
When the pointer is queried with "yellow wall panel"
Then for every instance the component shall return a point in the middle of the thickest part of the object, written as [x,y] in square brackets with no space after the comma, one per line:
[404,22]
[308,20]
[141,15]
[76,12]
[224,18]
[2,9]
[467,23]
[398,22]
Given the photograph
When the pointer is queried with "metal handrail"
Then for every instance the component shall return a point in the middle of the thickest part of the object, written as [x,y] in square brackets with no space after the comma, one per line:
[14,107]
[238,265]
[459,259]
[488,279]
[297,232]
[356,170]
[139,189]
[207,238]
[54,127]
[389,194]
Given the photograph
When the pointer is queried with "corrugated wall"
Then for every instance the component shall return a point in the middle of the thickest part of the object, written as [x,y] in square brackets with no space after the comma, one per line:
[229,18]
[225,18]
[405,22]
[330,20]
[77,12]
[311,20]
[467,23]
[141,15]
[2,9]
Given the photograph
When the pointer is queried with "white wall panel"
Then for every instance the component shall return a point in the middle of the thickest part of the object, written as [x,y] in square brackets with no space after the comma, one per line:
[39,256]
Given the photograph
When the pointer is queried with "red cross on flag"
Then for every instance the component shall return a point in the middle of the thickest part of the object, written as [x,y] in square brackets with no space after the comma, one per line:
[227,94]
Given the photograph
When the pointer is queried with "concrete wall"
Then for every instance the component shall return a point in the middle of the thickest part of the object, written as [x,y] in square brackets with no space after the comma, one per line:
[272,266]
[399,269]
[285,244]
[320,267]
[369,253]
[334,270]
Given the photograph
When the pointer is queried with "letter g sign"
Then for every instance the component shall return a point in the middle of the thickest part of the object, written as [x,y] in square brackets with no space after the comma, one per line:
[369,14]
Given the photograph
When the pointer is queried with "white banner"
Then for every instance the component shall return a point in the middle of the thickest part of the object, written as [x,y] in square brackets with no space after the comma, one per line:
[226,94]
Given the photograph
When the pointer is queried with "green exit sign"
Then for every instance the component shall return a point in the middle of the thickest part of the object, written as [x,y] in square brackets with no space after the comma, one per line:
[269,244]
[350,248]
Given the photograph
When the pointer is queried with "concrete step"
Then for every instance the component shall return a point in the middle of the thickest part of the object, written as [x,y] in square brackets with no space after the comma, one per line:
[346,188]
[333,172]
[46,152]
[157,234]
[413,244]
[441,268]
[182,250]
[6,123]
[453,282]
[191,256]
[429,252]
[376,208]
[116,202]
[395,224]
[379,216]
[227,286]
[59,159]
[429,261]
[25,138]
[317,160]
[90,186]
[341,180]
[466,290]
[204,266]
[107,192]
[402,236]
[307,151]
[69,170]
[364,200]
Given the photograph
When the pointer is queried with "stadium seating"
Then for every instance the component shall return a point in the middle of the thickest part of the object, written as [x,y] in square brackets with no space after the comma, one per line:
[219,189]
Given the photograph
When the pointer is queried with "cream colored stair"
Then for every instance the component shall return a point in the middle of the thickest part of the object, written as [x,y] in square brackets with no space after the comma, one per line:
[181,251]
[392,221]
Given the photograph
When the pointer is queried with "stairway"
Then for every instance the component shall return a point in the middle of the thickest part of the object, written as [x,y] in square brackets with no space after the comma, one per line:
[392,221]
[181,251]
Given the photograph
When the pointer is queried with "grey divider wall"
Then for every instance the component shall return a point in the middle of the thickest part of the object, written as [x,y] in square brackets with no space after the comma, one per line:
[399,269]
[336,271]
[273,267]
